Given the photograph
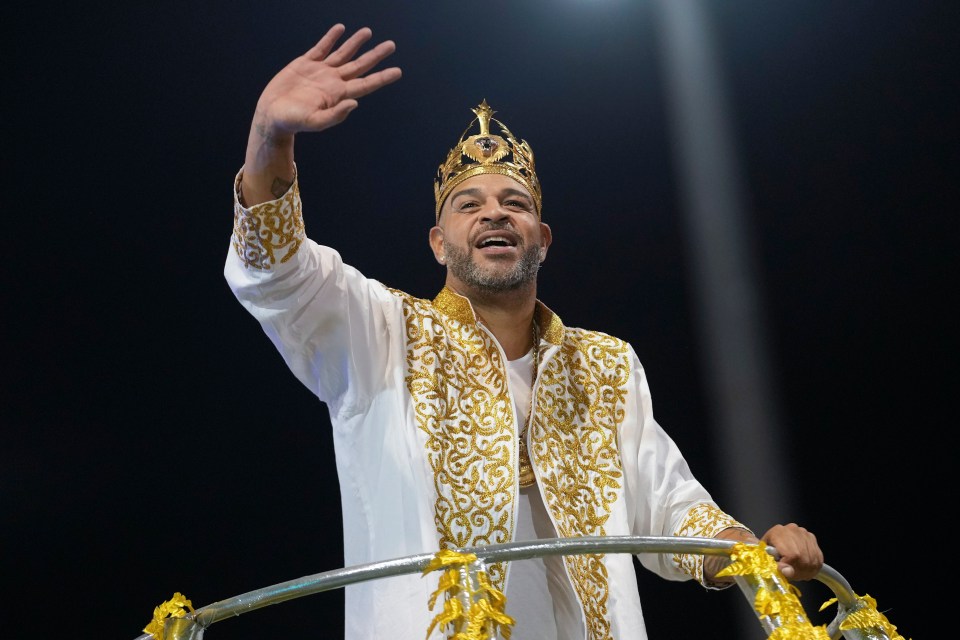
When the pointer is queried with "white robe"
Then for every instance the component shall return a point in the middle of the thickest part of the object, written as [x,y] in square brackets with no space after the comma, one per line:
[425,434]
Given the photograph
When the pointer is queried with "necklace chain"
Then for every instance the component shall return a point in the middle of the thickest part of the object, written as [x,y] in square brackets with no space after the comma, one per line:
[527,476]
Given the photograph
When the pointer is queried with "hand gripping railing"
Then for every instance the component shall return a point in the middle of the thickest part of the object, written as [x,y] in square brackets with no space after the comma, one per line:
[773,599]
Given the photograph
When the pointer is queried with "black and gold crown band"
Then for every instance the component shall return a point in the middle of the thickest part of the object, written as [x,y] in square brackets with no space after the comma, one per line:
[486,152]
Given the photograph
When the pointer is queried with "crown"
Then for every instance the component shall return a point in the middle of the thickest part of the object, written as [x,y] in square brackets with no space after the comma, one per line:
[486,152]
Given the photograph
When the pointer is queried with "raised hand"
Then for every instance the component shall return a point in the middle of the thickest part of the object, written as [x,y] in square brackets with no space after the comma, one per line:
[320,88]
[316,91]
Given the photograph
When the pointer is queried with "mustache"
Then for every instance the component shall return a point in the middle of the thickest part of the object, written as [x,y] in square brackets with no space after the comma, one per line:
[501,225]
[494,225]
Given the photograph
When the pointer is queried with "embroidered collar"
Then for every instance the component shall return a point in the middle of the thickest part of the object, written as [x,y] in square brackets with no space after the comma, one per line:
[458,307]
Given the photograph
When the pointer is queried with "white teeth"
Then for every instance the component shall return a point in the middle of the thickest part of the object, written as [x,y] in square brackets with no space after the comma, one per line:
[496,239]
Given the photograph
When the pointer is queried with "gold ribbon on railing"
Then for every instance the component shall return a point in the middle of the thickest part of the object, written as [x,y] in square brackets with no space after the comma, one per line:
[776,599]
[175,607]
[866,618]
[473,607]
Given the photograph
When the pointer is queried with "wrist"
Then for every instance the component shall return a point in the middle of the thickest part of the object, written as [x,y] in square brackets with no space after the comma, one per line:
[738,534]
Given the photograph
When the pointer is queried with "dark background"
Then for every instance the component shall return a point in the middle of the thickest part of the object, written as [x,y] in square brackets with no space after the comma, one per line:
[154,440]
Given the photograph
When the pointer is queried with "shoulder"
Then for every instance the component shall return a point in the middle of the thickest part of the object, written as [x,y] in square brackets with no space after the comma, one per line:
[605,349]
[412,302]
[579,335]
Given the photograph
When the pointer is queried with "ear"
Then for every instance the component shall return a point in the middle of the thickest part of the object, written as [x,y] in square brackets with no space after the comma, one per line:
[546,238]
[436,244]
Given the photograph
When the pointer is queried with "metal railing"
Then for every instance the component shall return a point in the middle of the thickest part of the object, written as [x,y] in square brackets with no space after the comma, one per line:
[856,617]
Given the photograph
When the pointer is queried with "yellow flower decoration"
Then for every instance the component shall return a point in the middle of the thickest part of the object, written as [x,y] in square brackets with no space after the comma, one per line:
[474,611]
[773,603]
[449,557]
[172,608]
[750,559]
[799,632]
[866,618]
[775,599]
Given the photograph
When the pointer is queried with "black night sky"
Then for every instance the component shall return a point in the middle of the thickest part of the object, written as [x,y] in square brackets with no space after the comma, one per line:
[155,441]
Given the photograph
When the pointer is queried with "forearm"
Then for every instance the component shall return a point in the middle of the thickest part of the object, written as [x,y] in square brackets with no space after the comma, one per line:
[713,564]
[268,168]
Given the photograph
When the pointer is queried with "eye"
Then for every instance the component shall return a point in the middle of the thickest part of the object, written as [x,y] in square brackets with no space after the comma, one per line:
[469,204]
[517,204]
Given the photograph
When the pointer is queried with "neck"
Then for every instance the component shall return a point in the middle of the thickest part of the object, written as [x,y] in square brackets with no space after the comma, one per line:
[508,315]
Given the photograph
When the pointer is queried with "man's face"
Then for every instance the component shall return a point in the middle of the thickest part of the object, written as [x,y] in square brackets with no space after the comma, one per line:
[489,235]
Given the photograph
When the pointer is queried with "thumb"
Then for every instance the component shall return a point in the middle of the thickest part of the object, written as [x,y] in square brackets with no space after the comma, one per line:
[787,570]
[325,118]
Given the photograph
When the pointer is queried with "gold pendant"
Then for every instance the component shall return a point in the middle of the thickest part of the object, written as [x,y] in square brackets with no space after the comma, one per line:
[527,477]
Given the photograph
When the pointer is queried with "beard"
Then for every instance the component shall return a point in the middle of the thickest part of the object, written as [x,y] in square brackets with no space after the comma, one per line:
[470,273]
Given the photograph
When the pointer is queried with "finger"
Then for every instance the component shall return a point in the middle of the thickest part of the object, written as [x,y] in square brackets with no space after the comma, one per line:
[808,552]
[348,49]
[359,87]
[368,60]
[787,570]
[320,50]
[326,118]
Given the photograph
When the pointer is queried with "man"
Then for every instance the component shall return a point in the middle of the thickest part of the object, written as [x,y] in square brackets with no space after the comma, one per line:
[477,417]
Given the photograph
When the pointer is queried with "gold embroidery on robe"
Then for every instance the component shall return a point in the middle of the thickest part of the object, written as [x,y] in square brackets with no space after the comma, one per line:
[458,382]
[268,233]
[704,521]
[581,401]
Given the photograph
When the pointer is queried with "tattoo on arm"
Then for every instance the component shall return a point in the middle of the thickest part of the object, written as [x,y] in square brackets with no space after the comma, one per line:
[280,187]
[264,133]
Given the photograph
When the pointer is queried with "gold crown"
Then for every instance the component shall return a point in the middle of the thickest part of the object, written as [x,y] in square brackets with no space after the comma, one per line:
[486,152]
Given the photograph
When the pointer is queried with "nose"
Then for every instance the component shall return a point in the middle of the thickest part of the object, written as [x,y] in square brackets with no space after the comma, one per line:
[493,212]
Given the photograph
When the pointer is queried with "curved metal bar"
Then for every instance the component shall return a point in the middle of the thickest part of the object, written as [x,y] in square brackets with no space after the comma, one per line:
[339,578]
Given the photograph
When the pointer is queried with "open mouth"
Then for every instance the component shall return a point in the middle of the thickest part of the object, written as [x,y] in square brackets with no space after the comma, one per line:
[496,240]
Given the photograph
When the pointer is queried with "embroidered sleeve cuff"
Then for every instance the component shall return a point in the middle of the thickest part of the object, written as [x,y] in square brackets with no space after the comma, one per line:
[268,233]
[703,521]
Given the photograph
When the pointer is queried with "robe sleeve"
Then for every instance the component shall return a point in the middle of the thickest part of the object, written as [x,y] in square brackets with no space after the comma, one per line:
[664,497]
[324,317]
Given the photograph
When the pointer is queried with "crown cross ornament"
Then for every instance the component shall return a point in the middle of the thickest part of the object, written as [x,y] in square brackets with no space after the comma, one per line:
[487,152]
